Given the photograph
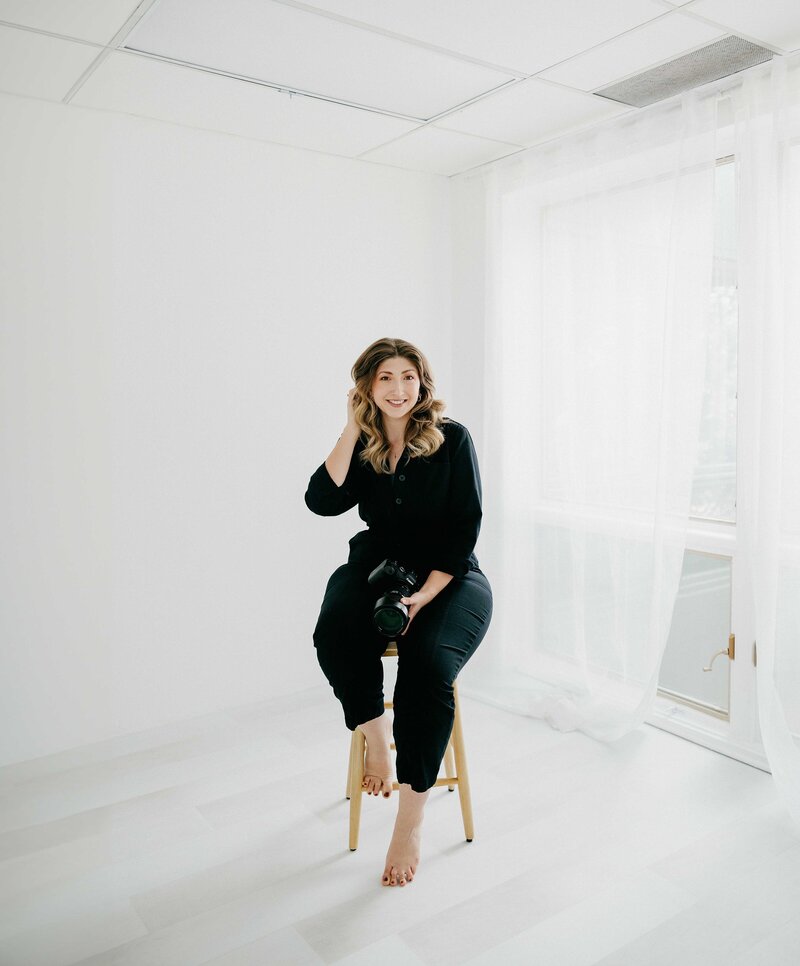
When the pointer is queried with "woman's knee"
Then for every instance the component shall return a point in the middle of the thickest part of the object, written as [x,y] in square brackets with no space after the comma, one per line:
[433,659]
[427,673]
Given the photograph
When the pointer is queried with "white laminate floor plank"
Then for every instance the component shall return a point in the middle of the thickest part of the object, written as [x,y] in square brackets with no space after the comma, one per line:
[580,933]
[106,926]
[222,841]
[389,950]
[283,946]
[780,948]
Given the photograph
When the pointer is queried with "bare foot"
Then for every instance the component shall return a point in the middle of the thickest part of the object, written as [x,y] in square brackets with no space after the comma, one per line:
[402,859]
[378,758]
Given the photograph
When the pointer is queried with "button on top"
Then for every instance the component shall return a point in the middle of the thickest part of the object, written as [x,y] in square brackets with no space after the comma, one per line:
[398,500]
[401,478]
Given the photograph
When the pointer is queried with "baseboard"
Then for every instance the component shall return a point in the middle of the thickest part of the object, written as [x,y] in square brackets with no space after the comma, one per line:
[679,722]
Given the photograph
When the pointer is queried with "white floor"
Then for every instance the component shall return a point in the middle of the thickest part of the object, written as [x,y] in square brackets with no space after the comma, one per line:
[223,840]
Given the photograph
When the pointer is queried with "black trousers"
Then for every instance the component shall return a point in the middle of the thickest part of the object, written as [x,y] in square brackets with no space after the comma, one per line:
[440,640]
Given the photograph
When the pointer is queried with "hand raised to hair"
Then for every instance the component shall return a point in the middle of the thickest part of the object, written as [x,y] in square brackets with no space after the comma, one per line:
[352,398]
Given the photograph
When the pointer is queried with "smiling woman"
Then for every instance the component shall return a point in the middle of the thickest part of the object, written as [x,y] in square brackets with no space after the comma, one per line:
[425,513]
[395,403]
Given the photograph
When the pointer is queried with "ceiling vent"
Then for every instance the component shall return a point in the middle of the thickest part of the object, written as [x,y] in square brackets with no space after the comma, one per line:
[710,63]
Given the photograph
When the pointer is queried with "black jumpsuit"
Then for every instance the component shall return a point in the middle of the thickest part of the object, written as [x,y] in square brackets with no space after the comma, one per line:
[427,516]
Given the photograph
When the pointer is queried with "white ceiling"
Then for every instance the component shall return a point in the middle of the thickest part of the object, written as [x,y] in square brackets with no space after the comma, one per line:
[430,85]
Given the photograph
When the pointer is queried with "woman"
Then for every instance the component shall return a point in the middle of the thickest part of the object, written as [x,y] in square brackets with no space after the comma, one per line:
[414,476]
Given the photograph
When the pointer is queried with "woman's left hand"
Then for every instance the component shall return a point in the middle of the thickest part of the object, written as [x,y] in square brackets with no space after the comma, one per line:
[415,603]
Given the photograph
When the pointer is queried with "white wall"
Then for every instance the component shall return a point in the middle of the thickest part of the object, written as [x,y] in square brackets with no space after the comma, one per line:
[179,313]
[470,289]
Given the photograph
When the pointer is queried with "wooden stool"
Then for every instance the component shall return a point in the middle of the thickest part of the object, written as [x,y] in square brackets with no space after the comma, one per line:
[455,764]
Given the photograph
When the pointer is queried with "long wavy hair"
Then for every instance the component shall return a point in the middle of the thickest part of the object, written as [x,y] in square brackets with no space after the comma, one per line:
[423,436]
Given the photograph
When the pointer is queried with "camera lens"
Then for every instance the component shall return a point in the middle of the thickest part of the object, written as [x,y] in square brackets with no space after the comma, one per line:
[390,616]
[390,620]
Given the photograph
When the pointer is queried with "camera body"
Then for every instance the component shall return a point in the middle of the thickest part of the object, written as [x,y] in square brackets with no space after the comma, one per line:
[394,581]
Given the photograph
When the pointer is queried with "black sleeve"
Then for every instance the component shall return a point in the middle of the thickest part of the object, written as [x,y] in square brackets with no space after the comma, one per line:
[465,511]
[327,499]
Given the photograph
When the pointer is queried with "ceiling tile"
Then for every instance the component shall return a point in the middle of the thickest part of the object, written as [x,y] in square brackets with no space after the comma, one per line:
[40,66]
[96,20]
[439,152]
[645,47]
[522,35]
[530,111]
[143,86]
[286,46]
[775,22]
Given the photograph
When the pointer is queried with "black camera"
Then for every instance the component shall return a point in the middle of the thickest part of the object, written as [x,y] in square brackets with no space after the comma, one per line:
[390,615]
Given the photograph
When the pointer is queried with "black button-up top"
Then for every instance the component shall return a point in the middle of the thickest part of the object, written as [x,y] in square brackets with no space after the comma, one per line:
[426,515]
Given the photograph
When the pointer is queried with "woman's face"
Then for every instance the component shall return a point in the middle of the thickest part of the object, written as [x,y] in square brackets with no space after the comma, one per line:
[395,388]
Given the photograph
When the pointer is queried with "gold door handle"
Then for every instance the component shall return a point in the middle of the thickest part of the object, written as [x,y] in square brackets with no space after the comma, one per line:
[730,652]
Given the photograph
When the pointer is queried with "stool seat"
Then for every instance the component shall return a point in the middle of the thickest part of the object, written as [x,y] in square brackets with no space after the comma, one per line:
[455,767]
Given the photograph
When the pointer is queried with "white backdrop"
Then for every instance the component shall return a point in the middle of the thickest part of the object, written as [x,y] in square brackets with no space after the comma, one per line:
[179,313]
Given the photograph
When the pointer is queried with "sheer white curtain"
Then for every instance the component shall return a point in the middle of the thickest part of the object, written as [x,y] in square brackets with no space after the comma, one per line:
[600,250]
[766,110]
[599,267]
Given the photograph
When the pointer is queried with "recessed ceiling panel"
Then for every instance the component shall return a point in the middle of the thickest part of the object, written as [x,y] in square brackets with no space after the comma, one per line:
[96,20]
[775,22]
[140,85]
[661,40]
[40,66]
[439,152]
[286,46]
[523,35]
[529,112]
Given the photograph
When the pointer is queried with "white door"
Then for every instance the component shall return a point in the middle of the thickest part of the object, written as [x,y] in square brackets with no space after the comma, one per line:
[707,683]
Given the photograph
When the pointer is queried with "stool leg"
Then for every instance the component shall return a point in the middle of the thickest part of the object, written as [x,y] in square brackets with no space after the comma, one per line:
[348,792]
[358,745]
[461,771]
[450,764]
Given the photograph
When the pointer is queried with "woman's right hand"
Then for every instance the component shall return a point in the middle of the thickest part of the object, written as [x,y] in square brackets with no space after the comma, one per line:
[352,398]
[338,461]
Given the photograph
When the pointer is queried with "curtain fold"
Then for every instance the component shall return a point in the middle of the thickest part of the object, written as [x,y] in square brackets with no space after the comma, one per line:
[766,113]
[599,251]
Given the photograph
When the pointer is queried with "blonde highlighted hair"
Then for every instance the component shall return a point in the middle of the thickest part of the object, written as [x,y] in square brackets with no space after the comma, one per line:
[423,436]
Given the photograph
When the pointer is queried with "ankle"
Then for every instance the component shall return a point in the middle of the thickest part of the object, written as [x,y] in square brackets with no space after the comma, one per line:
[411,809]
[374,730]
